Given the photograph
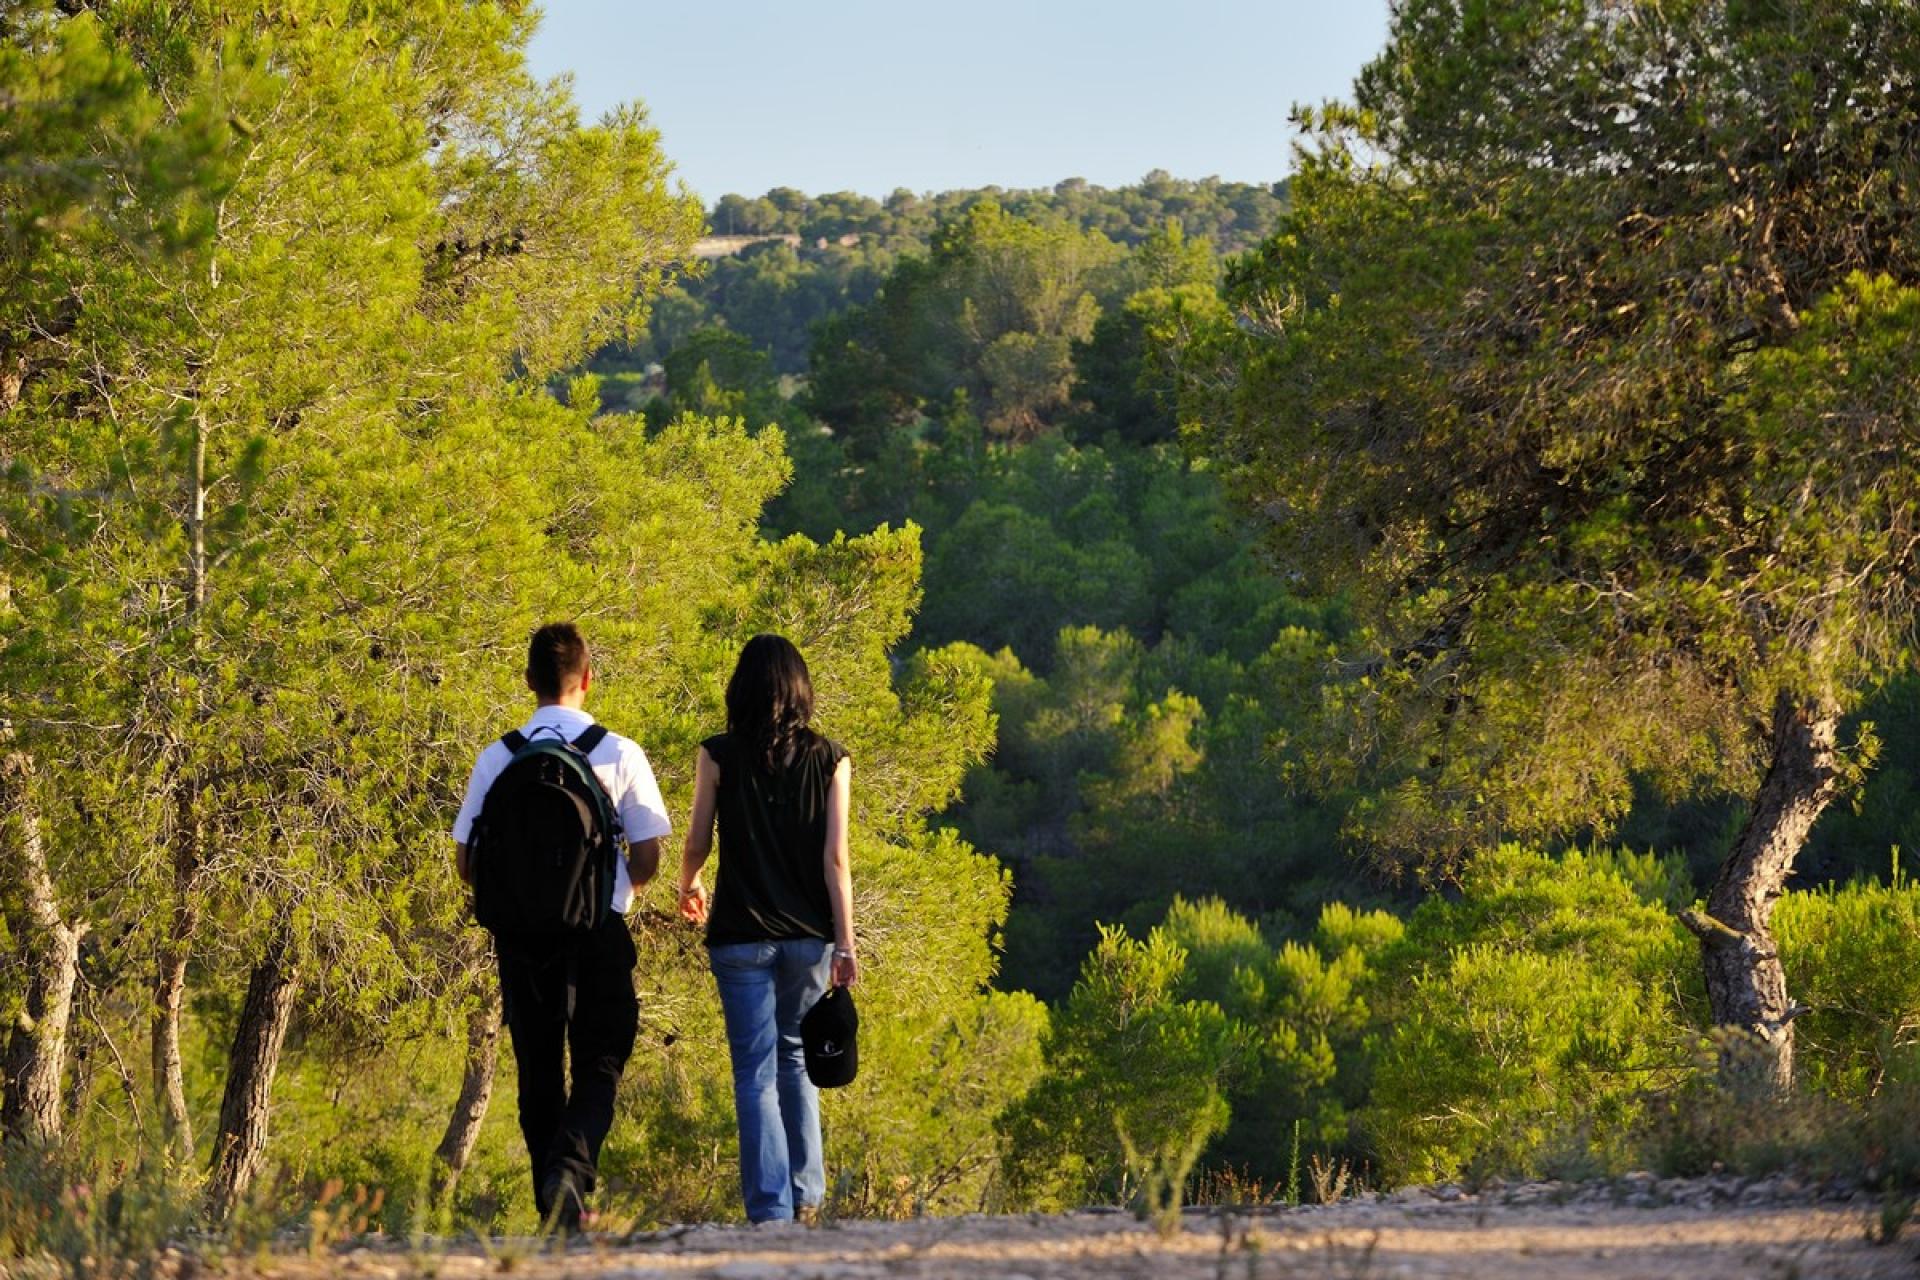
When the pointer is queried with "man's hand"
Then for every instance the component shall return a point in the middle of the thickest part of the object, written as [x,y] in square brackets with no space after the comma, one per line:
[693,902]
[643,861]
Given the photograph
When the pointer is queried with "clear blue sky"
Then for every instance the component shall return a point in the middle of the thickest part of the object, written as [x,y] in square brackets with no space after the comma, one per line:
[869,95]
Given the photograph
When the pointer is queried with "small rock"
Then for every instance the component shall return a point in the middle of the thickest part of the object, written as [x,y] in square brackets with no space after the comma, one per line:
[1839,1188]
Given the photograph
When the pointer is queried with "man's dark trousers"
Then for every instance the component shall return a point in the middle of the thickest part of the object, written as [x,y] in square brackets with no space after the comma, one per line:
[564,1129]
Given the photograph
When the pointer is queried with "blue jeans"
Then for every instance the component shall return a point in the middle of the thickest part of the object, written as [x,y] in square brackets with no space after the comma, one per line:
[765,989]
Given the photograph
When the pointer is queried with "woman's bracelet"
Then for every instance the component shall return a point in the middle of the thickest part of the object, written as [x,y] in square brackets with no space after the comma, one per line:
[843,953]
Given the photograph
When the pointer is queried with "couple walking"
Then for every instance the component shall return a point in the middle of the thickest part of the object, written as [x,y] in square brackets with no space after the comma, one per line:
[779,926]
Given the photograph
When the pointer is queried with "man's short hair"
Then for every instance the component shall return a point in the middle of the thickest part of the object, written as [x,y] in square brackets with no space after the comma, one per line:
[556,659]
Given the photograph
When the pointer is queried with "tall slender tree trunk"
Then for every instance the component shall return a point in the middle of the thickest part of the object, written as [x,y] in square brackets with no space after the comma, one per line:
[170,981]
[1746,987]
[251,1063]
[169,1083]
[476,1090]
[36,1055]
[170,968]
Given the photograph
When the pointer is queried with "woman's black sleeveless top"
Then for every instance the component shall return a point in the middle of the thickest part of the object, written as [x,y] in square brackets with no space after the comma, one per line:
[772,881]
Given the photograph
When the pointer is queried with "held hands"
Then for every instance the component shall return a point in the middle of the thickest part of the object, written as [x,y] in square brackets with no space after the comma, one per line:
[846,967]
[693,902]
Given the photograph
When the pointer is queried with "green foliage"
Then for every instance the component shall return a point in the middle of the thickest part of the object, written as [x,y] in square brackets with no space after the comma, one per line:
[994,309]
[1561,431]
[1133,1081]
[1851,840]
[261,715]
[1272,1039]
[818,256]
[1853,956]
[1230,213]
[1702,1128]
[1126,370]
[86,1214]
[921,1137]
[1562,424]
[1526,1023]
[213,460]
[1514,1062]
[1301,1006]
[1114,790]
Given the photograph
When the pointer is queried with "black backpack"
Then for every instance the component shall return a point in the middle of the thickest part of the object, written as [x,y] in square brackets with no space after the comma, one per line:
[542,850]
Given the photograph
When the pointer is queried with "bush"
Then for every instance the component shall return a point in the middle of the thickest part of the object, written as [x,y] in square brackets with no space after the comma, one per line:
[1300,1007]
[1701,1128]
[1133,1081]
[1852,956]
[86,1214]
[924,1138]
[1542,1011]
[1518,1062]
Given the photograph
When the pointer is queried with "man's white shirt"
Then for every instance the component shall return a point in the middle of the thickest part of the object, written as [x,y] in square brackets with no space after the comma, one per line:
[619,764]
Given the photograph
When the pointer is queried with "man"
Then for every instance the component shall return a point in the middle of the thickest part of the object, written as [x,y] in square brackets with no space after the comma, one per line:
[581,996]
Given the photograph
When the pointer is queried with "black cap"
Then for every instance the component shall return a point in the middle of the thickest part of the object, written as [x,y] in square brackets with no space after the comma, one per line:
[829,1033]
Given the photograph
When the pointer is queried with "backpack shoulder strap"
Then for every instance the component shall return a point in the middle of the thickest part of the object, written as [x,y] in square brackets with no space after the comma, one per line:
[590,737]
[513,741]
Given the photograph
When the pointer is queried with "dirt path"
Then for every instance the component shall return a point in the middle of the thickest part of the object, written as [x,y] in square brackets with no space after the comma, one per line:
[1351,1241]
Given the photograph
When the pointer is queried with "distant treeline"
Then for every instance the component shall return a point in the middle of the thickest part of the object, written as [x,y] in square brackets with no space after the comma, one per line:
[774,293]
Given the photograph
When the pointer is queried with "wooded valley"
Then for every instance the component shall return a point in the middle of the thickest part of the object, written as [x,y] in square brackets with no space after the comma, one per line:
[1400,675]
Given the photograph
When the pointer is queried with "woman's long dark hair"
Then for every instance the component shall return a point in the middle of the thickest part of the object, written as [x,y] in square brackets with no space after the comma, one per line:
[769,698]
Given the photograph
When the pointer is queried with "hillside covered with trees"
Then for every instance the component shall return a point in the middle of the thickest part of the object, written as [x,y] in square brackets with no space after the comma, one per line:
[1406,671]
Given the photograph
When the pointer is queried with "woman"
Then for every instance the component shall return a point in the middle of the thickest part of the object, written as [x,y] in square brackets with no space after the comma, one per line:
[780,927]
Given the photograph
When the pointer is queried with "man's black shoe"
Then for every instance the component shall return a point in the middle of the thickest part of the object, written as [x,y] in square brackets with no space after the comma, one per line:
[564,1206]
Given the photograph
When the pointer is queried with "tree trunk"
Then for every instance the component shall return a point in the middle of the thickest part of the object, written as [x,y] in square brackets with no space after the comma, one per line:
[170,976]
[251,1063]
[37,1049]
[169,1084]
[1746,987]
[476,1089]
[170,982]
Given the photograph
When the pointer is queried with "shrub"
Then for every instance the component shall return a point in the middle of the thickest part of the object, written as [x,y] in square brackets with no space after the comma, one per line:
[1300,1010]
[1702,1127]
[1852,956]
[1517,1062]
[1542,1009]
[1133,1081]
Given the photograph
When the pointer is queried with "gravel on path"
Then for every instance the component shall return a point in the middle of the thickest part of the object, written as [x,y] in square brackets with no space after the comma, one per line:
[1569,1234]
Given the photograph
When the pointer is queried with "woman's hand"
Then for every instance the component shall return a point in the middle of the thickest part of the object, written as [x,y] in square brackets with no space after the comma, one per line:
[693,902]
[846,967]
